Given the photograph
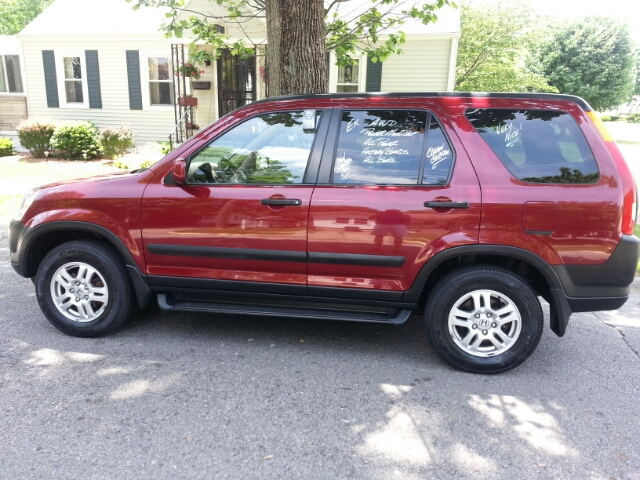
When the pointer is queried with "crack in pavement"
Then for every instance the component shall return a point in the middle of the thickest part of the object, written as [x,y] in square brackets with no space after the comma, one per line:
[621,333]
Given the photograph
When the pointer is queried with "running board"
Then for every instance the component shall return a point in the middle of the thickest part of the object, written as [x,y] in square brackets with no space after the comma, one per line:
[167,302]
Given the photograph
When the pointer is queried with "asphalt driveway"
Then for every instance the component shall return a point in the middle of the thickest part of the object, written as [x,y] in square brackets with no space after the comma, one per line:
[202,396]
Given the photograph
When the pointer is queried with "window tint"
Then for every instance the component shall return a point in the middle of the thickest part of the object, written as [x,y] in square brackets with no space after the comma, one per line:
[439,156]
[538,146]
[270,149]
[380,147]
[388,147]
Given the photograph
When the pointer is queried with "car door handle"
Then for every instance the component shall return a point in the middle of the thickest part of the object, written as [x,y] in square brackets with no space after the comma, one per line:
[446,204]
[281,201]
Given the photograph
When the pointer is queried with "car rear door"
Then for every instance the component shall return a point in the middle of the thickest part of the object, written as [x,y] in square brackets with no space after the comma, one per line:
[395,187]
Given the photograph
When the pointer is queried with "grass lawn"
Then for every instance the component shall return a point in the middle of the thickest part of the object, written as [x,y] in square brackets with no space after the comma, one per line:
[21,173]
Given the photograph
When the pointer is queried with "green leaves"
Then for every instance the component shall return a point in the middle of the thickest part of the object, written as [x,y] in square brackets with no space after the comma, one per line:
[375,31]
[495,49]
[16,14]
[347,34]
[593,58]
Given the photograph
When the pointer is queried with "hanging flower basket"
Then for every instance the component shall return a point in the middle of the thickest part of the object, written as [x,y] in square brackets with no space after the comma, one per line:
[188,101]
[189,70]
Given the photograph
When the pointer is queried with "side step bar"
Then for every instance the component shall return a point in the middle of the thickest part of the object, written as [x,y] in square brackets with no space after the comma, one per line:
[167,302]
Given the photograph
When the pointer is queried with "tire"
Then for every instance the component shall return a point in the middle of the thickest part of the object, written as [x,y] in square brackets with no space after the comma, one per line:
[478,338]
[94,269]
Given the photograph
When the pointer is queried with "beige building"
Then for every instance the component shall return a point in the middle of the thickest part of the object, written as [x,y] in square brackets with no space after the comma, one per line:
[104,62]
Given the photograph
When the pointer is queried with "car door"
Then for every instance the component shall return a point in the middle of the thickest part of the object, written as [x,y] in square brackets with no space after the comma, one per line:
[240,220]
[394,189]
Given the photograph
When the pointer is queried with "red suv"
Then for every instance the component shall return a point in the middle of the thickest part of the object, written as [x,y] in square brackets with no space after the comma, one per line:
[354,207]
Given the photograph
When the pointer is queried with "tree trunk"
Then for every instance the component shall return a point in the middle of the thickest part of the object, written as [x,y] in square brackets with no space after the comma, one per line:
[296,55]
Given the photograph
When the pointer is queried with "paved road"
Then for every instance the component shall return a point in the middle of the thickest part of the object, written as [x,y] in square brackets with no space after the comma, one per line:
[198,396]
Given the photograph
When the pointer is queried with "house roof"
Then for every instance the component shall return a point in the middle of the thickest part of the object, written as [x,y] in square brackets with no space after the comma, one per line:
[95,17]
[106,17]
[10,45]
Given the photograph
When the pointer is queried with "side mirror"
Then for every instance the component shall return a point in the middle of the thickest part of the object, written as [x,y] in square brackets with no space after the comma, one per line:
[179,171]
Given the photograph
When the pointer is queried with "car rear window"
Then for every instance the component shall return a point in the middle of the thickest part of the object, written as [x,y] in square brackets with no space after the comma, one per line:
[391,147]
[537,146]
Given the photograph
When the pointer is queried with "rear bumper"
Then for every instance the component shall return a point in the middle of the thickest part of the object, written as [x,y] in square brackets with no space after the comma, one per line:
[593,288]
[596,287]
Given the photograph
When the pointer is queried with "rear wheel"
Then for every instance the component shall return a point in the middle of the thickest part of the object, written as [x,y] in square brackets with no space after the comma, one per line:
[483,319]
[83,288]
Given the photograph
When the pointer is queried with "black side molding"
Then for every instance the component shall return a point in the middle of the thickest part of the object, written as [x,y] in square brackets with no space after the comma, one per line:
[233,253]
[277,255]
[355,259]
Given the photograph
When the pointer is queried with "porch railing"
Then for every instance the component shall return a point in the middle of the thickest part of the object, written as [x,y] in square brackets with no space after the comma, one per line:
[184,128]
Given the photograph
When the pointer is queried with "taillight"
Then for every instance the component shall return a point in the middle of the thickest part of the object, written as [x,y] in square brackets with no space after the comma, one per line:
[628,183]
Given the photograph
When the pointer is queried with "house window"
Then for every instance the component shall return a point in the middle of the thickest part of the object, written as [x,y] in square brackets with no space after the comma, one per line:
[10,76]
[160,84]
[73,79]
[348,77]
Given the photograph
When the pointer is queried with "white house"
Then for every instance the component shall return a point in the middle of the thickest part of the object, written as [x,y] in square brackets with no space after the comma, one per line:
[13,96]
[102,61]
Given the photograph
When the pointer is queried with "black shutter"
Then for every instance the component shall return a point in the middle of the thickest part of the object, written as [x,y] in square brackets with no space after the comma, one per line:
[93,79]
[50,80]
[374,76]
[133,73]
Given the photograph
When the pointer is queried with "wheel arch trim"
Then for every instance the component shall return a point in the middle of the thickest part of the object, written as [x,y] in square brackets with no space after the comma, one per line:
[30,236]
[560,310]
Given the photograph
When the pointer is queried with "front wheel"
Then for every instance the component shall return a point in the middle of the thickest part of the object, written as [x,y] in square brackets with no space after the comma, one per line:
[83,288]
[483,319]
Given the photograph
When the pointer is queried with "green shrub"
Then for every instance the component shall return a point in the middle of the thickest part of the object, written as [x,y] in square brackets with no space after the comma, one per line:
[614,118]
[76,140]
[35,135]
[165,147]
[116,141]
[6,147]
[605,118]
[634,118]
[143,157]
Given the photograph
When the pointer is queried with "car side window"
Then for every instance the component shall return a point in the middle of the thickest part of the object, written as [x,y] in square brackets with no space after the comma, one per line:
[537,146]
[269,149]
[439,156]
[391,147]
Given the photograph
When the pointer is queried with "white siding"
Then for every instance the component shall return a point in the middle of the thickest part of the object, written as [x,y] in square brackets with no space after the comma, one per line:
[422,67]
[150,124]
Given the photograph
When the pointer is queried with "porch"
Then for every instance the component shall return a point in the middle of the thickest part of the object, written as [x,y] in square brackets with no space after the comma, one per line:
[223,85]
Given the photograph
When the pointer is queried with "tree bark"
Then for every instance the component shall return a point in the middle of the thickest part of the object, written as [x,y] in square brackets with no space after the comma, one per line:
[296,55]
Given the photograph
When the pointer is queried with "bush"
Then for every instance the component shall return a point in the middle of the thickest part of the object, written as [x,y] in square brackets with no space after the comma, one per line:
[143,157]
[634,118]
[605,118]
[116,141]
[76,140]
[35,135]
[615,118]
[6,147]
